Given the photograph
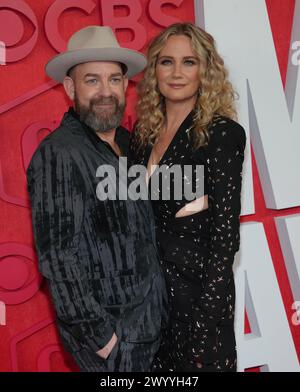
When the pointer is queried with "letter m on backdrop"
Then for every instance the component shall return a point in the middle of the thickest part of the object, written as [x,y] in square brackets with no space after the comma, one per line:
[271,116]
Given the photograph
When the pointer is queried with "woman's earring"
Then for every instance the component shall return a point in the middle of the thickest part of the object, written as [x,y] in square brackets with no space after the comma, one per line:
[199,92]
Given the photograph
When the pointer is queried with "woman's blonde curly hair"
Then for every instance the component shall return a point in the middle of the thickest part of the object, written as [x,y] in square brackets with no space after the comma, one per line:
[217,95]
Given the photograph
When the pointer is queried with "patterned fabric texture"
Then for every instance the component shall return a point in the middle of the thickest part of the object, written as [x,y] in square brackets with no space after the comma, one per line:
[99,257]
[197,251]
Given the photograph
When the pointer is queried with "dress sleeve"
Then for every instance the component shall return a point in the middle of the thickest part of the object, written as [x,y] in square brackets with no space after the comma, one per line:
[57,202]
[224,161]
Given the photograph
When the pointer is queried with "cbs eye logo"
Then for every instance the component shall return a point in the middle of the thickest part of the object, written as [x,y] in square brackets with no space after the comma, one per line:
[19,29]
[14,20]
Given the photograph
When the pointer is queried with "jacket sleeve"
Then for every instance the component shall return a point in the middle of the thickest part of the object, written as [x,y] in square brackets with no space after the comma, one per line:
[224,160]
[57,197]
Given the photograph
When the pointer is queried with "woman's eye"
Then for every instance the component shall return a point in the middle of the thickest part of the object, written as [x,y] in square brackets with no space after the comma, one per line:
[190,62]
[165,62]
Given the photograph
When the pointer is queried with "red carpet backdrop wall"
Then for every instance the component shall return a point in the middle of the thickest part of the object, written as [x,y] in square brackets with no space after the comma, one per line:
[31,106]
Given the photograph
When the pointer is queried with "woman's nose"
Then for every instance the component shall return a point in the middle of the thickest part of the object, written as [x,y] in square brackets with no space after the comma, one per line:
[177,70]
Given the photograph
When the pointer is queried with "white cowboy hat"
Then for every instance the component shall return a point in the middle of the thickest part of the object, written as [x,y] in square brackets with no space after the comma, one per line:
[94,43]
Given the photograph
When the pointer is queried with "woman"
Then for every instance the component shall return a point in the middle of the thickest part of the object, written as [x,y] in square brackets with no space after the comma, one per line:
[186,117]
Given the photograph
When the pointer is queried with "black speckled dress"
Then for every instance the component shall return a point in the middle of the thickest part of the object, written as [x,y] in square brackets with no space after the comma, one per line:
[197,251]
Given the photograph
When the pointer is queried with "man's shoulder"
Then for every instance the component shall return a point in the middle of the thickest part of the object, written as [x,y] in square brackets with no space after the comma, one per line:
[64,136]
[124,133]
[123,139]
[56,141]
[60,142]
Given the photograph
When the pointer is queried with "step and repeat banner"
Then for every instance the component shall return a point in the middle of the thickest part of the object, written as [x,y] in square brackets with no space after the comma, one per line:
[260,42]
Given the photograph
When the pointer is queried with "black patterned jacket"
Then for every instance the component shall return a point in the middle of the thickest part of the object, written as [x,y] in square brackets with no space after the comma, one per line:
[99,257]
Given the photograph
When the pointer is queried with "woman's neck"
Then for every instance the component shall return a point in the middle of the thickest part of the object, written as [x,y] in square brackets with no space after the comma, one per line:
[176,113]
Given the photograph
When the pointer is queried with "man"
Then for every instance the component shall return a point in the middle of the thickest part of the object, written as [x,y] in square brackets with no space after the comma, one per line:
[98,257]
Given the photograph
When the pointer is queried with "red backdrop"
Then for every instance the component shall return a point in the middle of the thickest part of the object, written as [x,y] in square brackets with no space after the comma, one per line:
[31,106]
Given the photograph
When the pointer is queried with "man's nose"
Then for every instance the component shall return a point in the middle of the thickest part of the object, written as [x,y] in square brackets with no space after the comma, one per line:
[105,89]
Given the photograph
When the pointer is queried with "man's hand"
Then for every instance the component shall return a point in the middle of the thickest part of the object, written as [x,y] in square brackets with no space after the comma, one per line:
[106,350]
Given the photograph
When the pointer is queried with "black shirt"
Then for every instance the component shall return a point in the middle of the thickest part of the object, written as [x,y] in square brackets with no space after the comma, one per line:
[98,256]
[122,136]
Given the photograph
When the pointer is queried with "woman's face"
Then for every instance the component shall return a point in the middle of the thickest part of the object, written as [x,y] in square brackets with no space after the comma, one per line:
[177,71]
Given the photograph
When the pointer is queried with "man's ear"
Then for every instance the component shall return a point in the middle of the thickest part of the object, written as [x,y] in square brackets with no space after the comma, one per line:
[69,87]
[125,83]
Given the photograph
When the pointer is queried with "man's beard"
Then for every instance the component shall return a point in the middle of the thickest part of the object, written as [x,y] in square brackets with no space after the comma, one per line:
[101,119]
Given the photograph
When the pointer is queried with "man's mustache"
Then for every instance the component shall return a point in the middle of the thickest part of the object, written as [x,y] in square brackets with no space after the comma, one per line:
[104,101]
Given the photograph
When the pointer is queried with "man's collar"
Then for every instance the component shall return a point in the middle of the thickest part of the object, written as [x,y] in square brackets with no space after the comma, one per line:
[122,135]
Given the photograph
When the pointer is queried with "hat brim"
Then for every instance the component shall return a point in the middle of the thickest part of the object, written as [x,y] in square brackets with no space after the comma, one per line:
[58,67]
